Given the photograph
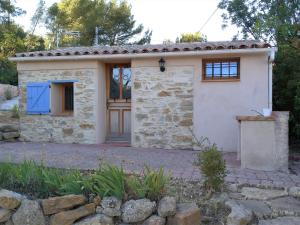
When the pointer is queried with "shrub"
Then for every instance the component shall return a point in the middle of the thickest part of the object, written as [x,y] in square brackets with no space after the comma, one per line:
[135,187]
[109,181]
[8,94]
[213,168]
[15,112]
[155,182]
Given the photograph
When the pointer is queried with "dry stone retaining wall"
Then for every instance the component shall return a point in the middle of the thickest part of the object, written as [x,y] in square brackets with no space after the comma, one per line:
[163,107]
[79,128]
[16,209]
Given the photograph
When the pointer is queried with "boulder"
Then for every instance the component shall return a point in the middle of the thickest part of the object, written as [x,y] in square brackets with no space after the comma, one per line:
[58,204]
[239,215]
[9,128]
[10,199]
[69,217]
[10,135]
[111,206]
[294,191]
[167,207]
[155,220]
[288,220]
[259,208]
[186,214]
[4,215]
[98,219]
[285,206]
[29,213]
[135,211]
[262,194]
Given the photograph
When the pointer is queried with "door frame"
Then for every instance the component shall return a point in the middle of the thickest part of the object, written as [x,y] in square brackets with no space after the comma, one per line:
[108,68]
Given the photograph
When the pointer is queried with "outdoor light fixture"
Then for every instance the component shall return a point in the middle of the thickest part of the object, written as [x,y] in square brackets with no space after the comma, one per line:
[162,64]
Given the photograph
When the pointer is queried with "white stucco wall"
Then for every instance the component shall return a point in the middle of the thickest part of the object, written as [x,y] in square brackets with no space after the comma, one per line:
[216,104]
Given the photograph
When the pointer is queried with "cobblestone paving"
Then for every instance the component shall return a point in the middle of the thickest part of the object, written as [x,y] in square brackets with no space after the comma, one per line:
[178,162]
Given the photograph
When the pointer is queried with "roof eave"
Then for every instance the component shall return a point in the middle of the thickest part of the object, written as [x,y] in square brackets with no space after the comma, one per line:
[143,55]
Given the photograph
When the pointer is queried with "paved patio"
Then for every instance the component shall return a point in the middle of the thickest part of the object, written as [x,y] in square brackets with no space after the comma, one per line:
[179,163]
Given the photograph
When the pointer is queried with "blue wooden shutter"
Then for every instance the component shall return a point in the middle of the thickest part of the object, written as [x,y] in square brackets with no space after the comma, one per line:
[38,98]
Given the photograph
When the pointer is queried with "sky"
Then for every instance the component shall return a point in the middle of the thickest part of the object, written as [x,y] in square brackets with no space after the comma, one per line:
[166,18]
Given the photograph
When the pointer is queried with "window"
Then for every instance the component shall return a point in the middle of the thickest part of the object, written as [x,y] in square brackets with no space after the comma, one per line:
[221,69]
[120,82]
[62,98]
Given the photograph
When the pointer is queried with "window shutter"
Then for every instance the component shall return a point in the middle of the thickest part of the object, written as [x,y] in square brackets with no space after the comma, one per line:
[38,98]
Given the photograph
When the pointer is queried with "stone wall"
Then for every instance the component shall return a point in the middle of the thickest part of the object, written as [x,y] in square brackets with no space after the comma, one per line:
[16,209]
[79,128]
[162,107]
[9,127]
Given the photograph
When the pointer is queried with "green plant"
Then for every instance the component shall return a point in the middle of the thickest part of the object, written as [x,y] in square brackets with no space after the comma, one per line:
[8,94]
[135,187]
[155,182]
[213,168]
[15,112]
[109,181]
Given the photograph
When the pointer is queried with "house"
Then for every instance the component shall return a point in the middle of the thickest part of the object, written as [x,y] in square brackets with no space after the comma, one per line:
[151,95]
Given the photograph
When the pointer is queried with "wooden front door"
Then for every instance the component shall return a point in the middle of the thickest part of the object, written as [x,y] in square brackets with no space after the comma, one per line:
[119,102]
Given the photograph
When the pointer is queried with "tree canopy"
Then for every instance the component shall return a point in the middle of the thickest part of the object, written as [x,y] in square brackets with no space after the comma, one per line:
[191,37]
[13,39]
[114,19]
[276,22]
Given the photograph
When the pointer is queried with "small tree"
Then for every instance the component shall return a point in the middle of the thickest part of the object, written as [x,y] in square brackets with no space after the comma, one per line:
[211,164]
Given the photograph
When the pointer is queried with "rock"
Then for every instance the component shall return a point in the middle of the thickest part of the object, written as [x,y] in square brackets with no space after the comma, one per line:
[9,222]
[29,213]
[58,204]
[186,214]
[285,206]
[111,206]
[135,211]
[239,215]
[97,200]
[9,199]
[294,191]
[98,219]
[9,128]
[262,194]
[288,220]
[259,208]
[10,135]
[233,187]
[69,217]
[4,215]
[155,220]
[167,207]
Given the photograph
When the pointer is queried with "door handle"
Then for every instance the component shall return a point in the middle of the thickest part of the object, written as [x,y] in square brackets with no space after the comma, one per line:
[107,104]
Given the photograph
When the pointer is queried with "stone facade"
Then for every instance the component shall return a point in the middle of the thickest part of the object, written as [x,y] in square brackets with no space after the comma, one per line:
[162,107]
[79,128]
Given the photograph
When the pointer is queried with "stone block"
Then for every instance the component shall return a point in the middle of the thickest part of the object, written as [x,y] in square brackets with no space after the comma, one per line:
[262,194]
[186,214]
[5,215]
[10,135]
[69,217]
[29,213]
[10,199]
[58,204]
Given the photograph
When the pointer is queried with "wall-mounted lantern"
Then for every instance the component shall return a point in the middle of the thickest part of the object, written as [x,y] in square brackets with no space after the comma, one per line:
[162,64]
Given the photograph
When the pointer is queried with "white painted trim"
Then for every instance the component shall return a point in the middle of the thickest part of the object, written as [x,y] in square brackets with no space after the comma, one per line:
[142,55]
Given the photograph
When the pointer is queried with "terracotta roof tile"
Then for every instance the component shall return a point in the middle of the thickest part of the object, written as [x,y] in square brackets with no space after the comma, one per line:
[127,49]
